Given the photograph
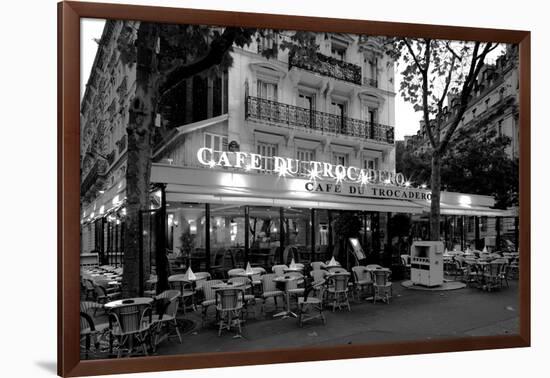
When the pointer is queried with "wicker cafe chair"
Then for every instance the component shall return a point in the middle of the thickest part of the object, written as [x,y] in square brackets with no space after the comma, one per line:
[493,275]
[187,291]
[310,306]
[131,323]
[269,289]
[89,330]
[104,296]
[382,285]
[362,279]
[229,305]
[89,289]
[295,287]
[337,290]
[166,304]
[209,298]
[245,284]
[319,279]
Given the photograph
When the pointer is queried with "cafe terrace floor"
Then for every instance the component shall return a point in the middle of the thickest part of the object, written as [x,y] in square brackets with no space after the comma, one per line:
[411,315]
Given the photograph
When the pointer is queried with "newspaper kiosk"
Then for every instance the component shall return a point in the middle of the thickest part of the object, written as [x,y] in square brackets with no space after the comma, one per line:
[427,263]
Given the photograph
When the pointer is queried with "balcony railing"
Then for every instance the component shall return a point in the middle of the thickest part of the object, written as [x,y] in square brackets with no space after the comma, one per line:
[290,116]
[94,176]
[121,144]
[327,66]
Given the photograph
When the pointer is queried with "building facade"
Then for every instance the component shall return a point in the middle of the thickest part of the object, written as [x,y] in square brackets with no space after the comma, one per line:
[493,107]
[258,162]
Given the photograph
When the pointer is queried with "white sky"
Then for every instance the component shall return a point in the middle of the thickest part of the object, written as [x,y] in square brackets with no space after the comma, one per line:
[406,119]
[90,29]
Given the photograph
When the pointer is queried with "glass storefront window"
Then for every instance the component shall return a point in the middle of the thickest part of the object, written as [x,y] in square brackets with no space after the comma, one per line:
[188,234]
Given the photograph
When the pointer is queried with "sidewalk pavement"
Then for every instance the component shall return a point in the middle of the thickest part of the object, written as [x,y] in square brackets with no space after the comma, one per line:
[410,315]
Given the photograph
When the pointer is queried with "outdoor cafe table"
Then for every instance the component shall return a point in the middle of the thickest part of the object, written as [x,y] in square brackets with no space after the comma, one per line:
[286,280]
[128,302]
[297,269]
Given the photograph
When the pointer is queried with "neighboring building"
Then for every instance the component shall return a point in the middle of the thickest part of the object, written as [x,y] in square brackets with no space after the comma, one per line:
[493,107]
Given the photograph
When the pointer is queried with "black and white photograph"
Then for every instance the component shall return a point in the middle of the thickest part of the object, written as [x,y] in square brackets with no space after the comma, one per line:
[248,189]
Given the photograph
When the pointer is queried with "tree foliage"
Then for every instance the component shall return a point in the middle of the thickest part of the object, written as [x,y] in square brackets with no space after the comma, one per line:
[474,165]
[433,71]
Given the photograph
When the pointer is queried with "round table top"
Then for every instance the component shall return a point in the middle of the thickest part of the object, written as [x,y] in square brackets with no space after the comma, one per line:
[134,301]
[286,278]
[294,269]
[181,277]
[372,269]
[247,274]
[226,285]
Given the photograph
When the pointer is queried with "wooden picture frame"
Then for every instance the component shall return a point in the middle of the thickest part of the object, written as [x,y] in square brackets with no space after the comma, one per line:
[69,15]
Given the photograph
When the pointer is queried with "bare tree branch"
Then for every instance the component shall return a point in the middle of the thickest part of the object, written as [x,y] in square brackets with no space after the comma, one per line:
[475,69]
[425,90]
[416,61]
[447,84]
[455,55]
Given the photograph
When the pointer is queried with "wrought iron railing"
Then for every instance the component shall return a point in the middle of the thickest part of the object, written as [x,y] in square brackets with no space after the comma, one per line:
[293,116]
[121,144]
[94,176]
[327,66]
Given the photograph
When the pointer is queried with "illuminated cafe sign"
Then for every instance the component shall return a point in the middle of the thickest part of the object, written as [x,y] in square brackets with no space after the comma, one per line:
[313,171]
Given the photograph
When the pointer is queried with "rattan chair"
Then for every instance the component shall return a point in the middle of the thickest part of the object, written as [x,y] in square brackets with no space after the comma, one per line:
[89,329]
[167,309]
[229,305]
[363,281]
[131,323]
[310,306]
[269,289]
[382,285]
[209,298]
[337,290]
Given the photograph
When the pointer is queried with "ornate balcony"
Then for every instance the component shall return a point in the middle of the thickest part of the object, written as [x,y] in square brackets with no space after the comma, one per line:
[258,109]
[327,66]
[96,176]
[121,144]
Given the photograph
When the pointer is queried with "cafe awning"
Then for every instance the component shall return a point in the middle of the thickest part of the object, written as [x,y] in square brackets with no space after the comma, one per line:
[471,210]
[189,193]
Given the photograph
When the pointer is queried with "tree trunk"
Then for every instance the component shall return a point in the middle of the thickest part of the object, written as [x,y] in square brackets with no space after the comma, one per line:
[435,209]
[138,165]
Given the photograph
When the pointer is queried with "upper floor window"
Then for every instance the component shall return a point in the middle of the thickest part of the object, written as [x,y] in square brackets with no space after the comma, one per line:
[338,49]
[369,163]
[304,155]
[215,142]
[267,90]
[267,41]
[340,158]
[306,117]
[267,150]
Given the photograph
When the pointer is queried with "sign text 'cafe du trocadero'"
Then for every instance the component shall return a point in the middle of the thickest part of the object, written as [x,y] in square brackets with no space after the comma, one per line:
[322,177]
